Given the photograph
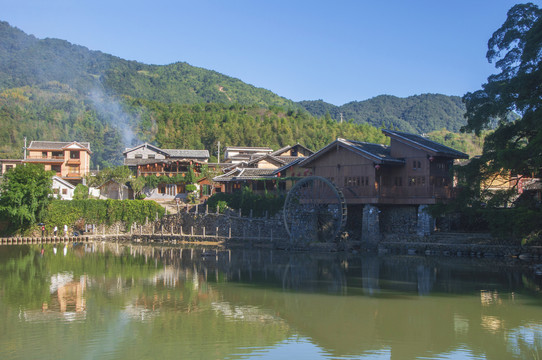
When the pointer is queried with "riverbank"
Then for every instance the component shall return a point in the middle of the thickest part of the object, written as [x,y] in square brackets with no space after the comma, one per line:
[234,231]
[438,244]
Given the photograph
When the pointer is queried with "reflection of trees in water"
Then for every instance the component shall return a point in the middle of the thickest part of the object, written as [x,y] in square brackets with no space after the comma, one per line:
[281,269]
[334,272]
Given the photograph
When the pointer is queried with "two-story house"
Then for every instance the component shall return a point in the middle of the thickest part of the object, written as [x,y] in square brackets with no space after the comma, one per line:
[388,181]
[70,160]
[150,160]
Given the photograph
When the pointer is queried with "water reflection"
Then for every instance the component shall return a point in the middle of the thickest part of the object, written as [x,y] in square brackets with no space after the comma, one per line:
[239,303]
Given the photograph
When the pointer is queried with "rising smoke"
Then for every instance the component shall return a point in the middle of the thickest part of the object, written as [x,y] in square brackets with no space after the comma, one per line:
[111,111]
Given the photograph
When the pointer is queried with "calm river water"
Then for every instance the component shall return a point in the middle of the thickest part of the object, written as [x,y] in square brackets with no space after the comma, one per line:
[103,301]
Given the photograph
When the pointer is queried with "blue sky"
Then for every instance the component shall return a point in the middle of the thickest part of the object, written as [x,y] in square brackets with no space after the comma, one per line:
[338,51]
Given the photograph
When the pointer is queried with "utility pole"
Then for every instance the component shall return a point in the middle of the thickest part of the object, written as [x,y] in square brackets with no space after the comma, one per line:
[24,149]
[341,118]
[218,152]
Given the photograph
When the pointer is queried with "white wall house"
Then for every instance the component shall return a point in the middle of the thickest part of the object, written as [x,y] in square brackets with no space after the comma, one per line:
[62,188]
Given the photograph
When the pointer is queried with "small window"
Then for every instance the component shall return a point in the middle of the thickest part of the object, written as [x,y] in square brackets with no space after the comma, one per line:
[206,190]
[139,156]
[44,154]
[151,156]
[74,154]
[64,191]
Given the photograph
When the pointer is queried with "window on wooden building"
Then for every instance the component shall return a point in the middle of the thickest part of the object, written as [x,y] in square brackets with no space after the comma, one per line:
[206,190]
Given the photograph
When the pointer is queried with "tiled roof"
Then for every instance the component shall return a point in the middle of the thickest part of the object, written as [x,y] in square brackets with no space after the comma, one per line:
[439,149]
[288,159]
[238,174]
[379,151]
[249,148]
[54,145]
[181,153]
[376,152]
[134,162]
[288,147]
[266,157]
[288,165]
[174,153]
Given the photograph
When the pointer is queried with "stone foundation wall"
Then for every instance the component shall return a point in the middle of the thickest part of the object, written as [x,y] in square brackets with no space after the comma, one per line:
[398,219]
[227,225]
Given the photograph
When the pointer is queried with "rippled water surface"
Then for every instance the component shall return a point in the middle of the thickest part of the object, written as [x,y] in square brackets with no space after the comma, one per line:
[104,301]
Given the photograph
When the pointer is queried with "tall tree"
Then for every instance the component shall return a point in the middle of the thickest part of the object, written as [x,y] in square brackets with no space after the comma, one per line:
[516,49]
[510,101]
[25,194]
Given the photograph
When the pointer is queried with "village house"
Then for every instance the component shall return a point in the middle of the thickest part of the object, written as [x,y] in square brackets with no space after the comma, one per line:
[62,189]
[261,173]
[238,154]
[149,160]
[411,170]
[8,164]
[70,160]
[381,181]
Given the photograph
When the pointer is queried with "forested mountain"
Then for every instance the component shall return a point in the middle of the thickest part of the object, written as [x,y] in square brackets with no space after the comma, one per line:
[57,112]
[53,90]
[418,114]
[26,60]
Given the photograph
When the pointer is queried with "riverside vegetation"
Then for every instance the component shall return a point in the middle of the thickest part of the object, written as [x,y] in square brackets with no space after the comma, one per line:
[113,103]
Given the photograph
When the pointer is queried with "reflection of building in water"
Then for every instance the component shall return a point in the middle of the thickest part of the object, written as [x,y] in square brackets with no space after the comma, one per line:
[69,292]
[245,313]
[67,300]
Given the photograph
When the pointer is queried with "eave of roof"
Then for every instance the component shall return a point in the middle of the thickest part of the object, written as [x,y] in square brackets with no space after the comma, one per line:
[356,147]
[287,166]
[430,145]
[56,145]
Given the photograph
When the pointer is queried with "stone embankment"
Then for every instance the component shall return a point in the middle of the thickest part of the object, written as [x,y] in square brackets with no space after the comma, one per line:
[231,229]
[456,244]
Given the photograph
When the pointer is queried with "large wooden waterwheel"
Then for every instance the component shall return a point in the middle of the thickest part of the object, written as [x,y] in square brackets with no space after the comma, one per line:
[314,211]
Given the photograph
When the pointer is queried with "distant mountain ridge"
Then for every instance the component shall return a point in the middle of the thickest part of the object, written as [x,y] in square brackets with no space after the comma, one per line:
[53,90]
[26,60]
[417,114]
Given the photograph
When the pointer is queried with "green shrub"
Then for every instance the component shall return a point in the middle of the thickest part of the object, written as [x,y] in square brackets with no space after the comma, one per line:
[246,200]
[107,212]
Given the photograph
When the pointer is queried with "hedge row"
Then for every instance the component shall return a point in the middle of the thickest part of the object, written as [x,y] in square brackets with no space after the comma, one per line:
[246,200]
[107,212]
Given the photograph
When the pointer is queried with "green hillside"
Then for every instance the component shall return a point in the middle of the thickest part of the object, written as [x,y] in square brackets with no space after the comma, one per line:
[418,114]
[54,111]
[53,90]
[26,60]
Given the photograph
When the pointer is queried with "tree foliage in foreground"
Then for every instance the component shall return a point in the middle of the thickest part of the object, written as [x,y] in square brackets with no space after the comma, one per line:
[516,49]
[515,147]
[25,194]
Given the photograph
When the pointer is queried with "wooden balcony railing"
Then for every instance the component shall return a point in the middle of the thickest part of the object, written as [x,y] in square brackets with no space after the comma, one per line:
[41,157]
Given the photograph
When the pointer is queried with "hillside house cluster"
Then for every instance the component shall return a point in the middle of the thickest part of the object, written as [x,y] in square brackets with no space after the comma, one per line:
[411,170]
